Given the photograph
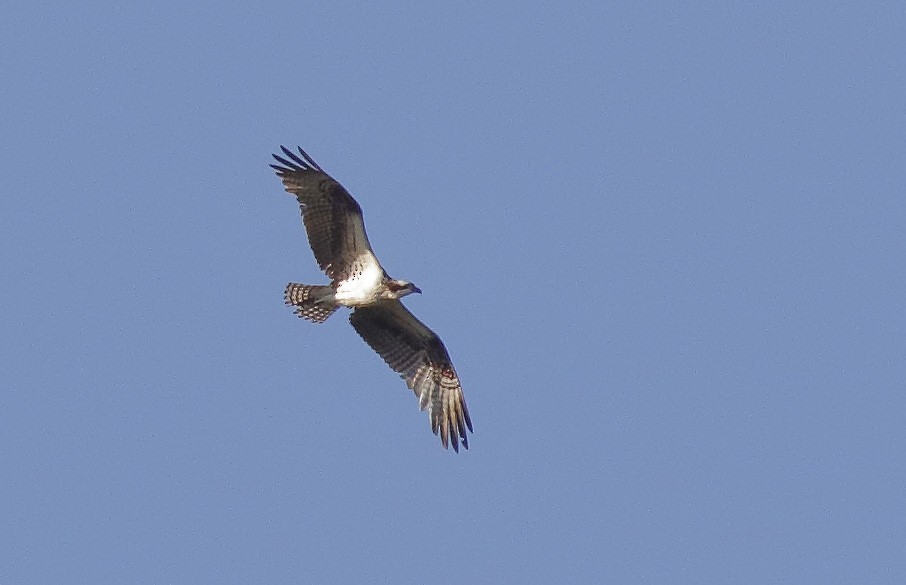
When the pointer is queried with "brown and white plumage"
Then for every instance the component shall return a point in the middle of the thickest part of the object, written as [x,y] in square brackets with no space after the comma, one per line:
[332,218]
[336,233]
[419,356]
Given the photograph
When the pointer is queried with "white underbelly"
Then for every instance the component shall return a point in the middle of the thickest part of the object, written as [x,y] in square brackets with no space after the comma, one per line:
[362,287]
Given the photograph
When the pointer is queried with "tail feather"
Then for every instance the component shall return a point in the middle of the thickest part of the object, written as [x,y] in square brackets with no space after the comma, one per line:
[312,302]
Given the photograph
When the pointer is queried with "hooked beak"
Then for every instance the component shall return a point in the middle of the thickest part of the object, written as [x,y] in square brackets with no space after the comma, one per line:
[416,289]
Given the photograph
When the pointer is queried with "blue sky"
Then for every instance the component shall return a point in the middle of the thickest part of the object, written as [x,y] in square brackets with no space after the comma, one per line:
[663,243]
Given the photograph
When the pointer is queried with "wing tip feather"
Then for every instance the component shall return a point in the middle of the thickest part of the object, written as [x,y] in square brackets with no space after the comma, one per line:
[451,425]
[295,163]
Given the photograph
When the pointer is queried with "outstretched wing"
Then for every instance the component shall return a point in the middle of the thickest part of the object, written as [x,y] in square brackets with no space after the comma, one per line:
[419,356]
[332,218]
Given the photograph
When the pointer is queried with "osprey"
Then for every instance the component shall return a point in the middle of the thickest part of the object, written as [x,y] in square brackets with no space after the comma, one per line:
[336,233]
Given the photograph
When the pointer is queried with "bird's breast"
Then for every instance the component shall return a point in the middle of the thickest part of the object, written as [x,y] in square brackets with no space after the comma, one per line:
[363,285]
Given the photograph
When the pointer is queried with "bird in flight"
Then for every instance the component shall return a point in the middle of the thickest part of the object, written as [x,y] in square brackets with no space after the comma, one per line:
[336,233]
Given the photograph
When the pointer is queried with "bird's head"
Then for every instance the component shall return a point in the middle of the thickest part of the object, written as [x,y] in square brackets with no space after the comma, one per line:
[400,288]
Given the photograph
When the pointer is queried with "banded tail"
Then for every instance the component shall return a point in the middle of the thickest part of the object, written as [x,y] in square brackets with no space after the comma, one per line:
[312,302]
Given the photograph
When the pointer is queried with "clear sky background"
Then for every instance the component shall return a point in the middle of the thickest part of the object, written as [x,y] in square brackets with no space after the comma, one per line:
[663,243]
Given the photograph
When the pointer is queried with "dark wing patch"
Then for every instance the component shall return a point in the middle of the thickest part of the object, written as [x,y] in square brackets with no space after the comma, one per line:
[332,218]
[419,356]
